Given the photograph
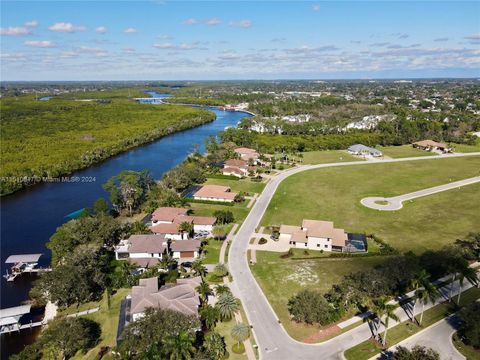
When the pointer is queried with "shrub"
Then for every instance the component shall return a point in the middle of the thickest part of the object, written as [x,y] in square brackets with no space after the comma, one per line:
[224,216]
[311,307]
[470,329]
[262,241]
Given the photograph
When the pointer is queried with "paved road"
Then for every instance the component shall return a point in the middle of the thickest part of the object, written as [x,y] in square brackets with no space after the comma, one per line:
[396,202]
[271,337]
[438,337]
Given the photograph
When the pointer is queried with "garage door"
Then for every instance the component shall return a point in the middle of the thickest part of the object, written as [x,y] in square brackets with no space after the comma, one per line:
[187,254]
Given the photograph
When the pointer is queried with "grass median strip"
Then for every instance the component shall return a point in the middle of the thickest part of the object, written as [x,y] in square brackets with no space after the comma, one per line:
[396,334]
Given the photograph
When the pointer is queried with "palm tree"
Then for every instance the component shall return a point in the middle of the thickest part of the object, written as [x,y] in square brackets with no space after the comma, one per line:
[167,261]
[222,289]
[139,228]
[215,346]
[198,268]
[210,315]
[471,276]
[418,280]
[204,290]
[240,332]
[384,309]
[428,294]
[186,227]
[179,347]
[227,305]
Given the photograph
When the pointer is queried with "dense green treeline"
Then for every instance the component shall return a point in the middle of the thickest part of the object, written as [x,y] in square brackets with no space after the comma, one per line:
[54,138]
[194,100]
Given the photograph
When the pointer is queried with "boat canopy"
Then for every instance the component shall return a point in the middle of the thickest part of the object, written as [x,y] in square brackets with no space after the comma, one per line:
[24,258]
[11,315]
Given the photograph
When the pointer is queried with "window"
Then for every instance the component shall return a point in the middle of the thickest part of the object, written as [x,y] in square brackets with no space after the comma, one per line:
[326,246]
[305,244]
[318,245]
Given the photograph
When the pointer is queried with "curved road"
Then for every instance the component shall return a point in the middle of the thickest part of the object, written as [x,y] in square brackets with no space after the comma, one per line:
[396,202]
[272,339]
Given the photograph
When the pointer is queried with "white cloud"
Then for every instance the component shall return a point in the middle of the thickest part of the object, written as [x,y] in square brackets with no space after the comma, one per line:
[101,30]
[213,21]
[473,38]
[441,39]
[40,43]
[129,50]
[241,24]
[190,21]
[31,24]
[183,46]
[66,27]
[130,30]
[164,46]
[14,31]
[316,8]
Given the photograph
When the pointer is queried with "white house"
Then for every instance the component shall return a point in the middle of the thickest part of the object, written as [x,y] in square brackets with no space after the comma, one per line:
[359,149]
[185,250]
[235,167]
[164,216]
[142,250]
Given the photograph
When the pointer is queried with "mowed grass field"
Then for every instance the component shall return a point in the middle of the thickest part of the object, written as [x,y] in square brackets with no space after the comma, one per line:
[280,279]
[328,156]
[403,151]
[425,223]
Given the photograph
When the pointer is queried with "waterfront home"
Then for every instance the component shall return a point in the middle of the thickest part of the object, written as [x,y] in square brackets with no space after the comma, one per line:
[171,215]
[142,250]
[236,167]
[170,231]
[359,149]
[181,296]
[430,145]
[186,250]
[215,193]
[321,235]
[247,154]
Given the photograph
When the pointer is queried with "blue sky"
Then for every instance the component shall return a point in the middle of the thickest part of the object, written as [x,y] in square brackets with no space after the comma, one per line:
[181,40]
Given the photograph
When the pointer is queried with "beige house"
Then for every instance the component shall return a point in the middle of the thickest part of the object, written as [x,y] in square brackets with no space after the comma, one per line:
[181,297]
[185,250]
[430,145]
[215,193]
[247,154]
[314,235]
[235,167]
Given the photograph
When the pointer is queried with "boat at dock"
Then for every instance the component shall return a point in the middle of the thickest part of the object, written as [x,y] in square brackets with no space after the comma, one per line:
[24,263]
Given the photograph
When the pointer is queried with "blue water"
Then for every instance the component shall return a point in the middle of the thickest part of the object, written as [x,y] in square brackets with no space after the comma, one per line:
[30,217]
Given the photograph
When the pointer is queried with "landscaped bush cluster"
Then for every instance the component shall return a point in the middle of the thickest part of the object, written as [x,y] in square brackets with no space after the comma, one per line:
[394,277]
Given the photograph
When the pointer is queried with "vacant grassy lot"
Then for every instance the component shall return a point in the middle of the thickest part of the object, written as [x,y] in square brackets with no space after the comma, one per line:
[403,151]
[108,320]
[425,223]
[239,185]
[239,211]
[281,278]
[328,156]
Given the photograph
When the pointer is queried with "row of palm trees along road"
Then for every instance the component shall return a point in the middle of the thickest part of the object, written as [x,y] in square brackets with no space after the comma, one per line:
[272,339]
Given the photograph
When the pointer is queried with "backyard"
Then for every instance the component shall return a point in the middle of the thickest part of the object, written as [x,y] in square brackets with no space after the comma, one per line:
[328,156]
[403,151]
[428,222]
[245,185]
[281,278]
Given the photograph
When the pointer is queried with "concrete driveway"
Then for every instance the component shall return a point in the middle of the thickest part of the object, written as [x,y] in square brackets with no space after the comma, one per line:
[272,339]
[438,337]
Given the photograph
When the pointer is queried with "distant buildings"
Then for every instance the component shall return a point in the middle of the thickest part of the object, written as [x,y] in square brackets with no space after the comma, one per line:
[247,154]
[359,149]
[430,145]
[369,122]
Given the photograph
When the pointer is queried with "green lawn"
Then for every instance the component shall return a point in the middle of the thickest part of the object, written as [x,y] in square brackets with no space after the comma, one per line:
[108,320]
[367,349]
[239,211]
[245,185]
[224,329]
[328,156]
[281,278]
[425,223]
[403,151]
[466,350]
[466,148]
[212,251]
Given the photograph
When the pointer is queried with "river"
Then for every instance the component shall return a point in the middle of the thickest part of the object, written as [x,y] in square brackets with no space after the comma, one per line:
[30,216]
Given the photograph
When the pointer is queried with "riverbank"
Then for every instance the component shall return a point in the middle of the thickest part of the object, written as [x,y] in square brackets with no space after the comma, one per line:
[45,141]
